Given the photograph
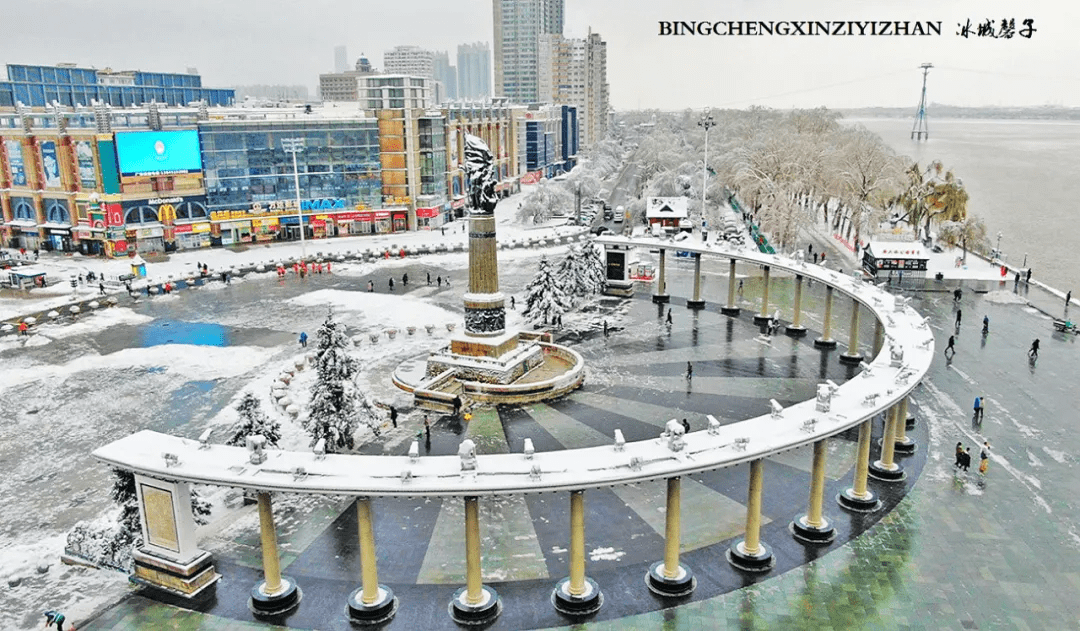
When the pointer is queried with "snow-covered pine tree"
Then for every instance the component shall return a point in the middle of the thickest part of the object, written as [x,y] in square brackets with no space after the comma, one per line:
[570,274]
[252,420]
[544,295]
[595,270]
[124,494]
[332,412]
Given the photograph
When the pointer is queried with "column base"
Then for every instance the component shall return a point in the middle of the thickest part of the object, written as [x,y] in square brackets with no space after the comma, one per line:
[848,500]
[825,343]
[730,311]
[762,319]
[661,298]
[682,585]
[795,331]
[586,604]
[909,423]
[739,558]
[619,288]
[806,533]
[384,607]
[695,304]
[906,446]
[879,471]
[186,580]
[851,358]
[263,604]
[483,612]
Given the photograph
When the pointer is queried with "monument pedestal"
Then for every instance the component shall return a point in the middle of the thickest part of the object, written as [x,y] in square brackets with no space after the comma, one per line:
[187,580]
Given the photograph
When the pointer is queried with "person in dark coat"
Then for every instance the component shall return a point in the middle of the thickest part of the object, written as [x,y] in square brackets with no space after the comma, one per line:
[393,415]
[1034,351]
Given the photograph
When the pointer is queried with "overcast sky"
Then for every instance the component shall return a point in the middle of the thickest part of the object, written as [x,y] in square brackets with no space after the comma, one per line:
[237,42]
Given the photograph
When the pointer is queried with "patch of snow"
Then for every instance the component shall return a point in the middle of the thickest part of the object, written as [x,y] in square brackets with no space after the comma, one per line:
[606,554]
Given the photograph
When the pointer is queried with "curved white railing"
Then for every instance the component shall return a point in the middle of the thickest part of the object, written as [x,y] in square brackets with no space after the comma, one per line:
[885,381]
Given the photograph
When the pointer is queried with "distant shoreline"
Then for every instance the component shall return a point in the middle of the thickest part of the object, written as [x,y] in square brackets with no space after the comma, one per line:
[951,111]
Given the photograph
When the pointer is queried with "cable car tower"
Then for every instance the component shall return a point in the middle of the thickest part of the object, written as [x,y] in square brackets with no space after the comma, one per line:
[919,131]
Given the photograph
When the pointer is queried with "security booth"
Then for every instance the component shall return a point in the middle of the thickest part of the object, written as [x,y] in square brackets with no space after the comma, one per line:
[26,277]
[138,266]
[900,262]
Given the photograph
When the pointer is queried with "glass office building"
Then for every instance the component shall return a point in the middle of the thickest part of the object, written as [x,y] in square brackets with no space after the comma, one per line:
[39,86]
[249,176]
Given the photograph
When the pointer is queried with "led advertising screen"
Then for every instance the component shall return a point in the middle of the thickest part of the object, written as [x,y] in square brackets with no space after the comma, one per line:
[158,152]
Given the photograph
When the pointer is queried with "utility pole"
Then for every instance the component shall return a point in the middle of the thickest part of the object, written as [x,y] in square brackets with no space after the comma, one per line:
[295,146]
[706,122]
[919,131]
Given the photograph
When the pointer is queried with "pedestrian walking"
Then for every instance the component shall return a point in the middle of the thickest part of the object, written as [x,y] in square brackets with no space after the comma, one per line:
[1028,279]
[686,426]
[303,339]
[689,371]
[978,408]
[605,328]
[950,349]
[957,295]
[959,455]
[23,328]
[35,254]
[101,289]
[405,278]
[560,320]
[427,428]
[370,285]
[439,281]
[391,284]
[55,617]
[965,461]
[393,415]
[810,250]
[447,280]
[669,315]
[959,315]
[429,278]
[1034,351]
[443,228]
[986,324]
[1068,298]
[513,303]
[740,286]
[984,458]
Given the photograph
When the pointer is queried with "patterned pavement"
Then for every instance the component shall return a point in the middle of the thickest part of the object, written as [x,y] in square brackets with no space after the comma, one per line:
[958,552]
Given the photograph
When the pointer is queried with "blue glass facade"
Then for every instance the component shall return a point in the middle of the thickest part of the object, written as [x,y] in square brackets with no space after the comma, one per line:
[244,163]
[38,86]
[569,129]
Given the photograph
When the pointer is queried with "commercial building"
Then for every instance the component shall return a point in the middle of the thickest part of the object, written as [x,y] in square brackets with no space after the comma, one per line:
[380,91]
[518,27]
[39,86]
[409,60]
[474,71]
[117,181]
[547,140]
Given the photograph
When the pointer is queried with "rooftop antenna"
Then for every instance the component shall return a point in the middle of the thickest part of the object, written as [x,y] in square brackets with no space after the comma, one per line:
[919,131]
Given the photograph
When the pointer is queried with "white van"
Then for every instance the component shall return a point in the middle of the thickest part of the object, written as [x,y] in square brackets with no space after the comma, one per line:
[620,214]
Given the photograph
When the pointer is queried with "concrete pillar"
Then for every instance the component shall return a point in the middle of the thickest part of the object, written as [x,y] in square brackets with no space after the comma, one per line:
[796,329]
[697,302]
[903,444]
[669,577]
[764,316]
[661,294]
[859,498]
[372,603]
[852,356]
[751,554]
[577,595]
[826,340]
[879,336]
[886,469]
[475,603]
[730,309]
[813,527]
[276,594]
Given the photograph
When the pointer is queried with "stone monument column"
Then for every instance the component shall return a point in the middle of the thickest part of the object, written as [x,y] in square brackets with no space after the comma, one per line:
[485,313]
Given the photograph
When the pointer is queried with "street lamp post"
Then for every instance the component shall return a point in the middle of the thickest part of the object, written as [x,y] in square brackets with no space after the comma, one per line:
[295,146]
[998,248]
[706,122]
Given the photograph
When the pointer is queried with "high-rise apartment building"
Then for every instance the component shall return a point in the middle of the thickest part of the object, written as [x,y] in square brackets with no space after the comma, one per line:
[474,71]
[341,59]
[410,60]
[574,72]
[446,74]
[519,25]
